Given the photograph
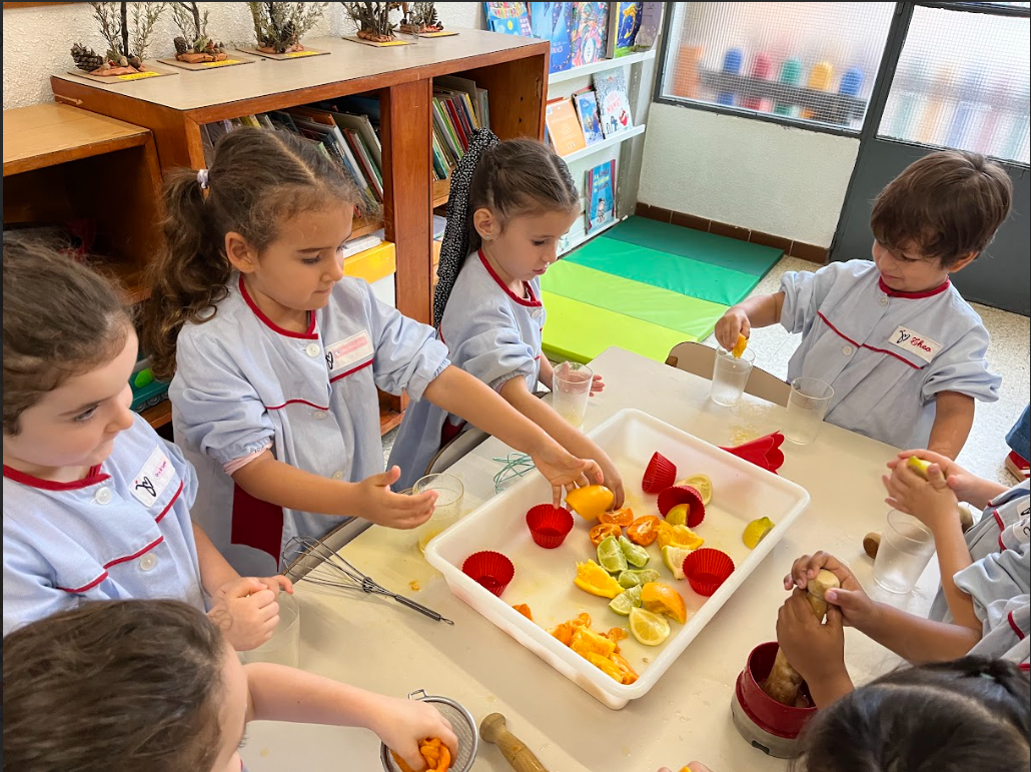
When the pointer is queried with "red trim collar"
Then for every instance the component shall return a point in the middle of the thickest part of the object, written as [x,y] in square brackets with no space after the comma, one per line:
[93,477]
[533,302]
[309,335]
[912,295]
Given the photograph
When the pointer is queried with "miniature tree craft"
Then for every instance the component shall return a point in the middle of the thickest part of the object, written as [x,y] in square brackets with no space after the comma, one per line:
[420,18]
[373,20]
[279,27]
[194,45]
[126,43]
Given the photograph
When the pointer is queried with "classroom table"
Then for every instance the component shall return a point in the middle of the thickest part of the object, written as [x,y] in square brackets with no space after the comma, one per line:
[379,645]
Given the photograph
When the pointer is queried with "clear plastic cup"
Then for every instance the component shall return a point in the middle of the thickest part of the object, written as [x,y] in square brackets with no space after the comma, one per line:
[448,508]
[808,403]
[730,375]
[906,547]
[571,389]
[284,647]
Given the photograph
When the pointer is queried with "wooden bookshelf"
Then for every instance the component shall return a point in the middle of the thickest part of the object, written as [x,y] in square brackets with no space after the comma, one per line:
[513,69]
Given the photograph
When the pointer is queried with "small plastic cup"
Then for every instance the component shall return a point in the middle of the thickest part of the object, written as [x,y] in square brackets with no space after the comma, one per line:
[549,525]
[682,494]
[284,647]
[446,510]
[808,402]
[707,569]
[571,390]
[659,474]
[907,546]
[491,570]
[730,375]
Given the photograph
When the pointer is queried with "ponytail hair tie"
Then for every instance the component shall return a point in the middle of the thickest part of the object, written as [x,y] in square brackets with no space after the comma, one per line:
[455,246]
[202,179]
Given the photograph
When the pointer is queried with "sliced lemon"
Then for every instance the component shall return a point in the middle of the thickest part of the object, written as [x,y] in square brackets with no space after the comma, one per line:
[919,466]
[632,578]
[590,577]
[756,531]
[625,601]
[648,627]
[610,555]
[635,555]
[702,484]
[673,556]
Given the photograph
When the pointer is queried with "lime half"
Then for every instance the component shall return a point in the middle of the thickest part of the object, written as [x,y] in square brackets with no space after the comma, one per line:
[647,627]
[635,555]
[610,555]
[633,578]
[623,603]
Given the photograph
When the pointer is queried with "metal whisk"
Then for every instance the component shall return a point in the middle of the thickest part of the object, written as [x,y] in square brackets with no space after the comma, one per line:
[337,572]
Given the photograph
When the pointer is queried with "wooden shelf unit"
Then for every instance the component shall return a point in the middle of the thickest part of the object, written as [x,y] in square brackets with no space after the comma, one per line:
[513,69]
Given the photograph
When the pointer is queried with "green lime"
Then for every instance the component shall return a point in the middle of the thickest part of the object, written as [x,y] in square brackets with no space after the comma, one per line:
[610,556]
[633,578]
[673,556]
[636,555]
[625,601]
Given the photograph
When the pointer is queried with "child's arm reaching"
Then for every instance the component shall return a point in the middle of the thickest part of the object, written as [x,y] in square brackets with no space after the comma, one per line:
[758,311]
[953,418]
[457,392]
[278,693]
[547,377]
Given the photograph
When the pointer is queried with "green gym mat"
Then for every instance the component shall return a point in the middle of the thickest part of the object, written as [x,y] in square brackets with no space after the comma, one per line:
[693,317]
[579,332]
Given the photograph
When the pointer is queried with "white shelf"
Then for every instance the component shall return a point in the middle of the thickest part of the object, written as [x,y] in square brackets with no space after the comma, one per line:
[620,138]
[583,238]
[600,66]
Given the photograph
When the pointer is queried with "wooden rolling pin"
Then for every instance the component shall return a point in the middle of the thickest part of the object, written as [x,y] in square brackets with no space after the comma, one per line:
[494,730]
[784,681]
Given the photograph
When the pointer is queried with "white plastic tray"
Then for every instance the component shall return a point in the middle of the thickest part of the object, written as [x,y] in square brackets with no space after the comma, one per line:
[544,578]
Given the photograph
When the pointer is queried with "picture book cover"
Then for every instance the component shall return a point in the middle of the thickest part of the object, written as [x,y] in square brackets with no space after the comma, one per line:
[586,102]
[509,18]
[563,126]
[554,22]
[601,187]
[613,102]
[648,31]
[592,21]
[624,22]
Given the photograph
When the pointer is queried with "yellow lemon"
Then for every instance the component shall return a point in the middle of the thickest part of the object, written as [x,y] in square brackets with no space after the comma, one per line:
[756,531]
[592,578]
[647,627]
[590,501]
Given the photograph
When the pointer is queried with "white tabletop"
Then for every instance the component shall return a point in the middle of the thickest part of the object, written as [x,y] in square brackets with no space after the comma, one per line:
[380,645]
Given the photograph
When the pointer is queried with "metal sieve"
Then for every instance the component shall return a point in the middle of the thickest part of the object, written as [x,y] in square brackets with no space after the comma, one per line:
[461,723]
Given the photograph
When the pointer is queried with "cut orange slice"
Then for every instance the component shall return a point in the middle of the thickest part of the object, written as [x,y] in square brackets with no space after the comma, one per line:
[603,530]
[739,347]
[622,517]
[592,578]
[662,599]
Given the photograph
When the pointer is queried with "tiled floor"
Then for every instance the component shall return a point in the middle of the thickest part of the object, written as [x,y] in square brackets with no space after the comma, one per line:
[1008,355]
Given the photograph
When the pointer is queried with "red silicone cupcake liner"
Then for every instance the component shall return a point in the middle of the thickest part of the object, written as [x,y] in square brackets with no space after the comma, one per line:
[683,494]
[659,474]
[549,525]
[492,570]
[706,569]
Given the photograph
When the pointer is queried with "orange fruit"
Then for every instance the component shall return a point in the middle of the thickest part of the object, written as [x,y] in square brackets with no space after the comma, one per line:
[660,598]
[603,530]
[590,501]
[678,535]
[644,530]
[592,578]
[523,609]
[621,517]
[739,347]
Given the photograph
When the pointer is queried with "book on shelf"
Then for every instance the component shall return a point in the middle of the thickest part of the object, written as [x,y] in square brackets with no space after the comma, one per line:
[586,103]
[508,18]
[648,31]
[600,195]
[624,22]
[563,126]
[613,102]
[555,22]
[589,39]
[459,108]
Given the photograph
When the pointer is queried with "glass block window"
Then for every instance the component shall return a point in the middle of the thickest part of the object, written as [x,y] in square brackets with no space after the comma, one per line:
[962,82]
[812,62]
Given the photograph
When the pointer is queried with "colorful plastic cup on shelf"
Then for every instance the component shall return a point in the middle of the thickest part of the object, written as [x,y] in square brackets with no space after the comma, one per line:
[659,474]
[683,494]
[706,569]
[549,525]
[491,570]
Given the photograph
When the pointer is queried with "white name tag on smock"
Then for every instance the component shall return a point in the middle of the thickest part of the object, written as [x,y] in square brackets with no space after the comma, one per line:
[919,345]
[347,352]
[153,478]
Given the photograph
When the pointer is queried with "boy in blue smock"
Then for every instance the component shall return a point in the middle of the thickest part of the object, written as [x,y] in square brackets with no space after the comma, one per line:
[902,349]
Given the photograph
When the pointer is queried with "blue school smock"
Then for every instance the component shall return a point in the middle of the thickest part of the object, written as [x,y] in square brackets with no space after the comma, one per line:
[492,334]
[1007,625]
[1000,546]
[243,383]
[887,354]
[122,532]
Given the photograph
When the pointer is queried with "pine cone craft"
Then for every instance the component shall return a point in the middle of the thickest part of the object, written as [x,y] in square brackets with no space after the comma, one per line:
[86,59]
[181,46]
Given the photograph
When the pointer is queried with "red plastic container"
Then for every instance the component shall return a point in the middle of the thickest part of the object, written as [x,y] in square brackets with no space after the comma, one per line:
[659,474]
[683,494]
[706,569]
[549,525]
[773,718]
[492,570]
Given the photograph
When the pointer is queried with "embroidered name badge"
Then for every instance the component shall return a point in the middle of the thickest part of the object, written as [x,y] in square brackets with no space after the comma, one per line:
[915,343]
[349,351]
[153,478]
